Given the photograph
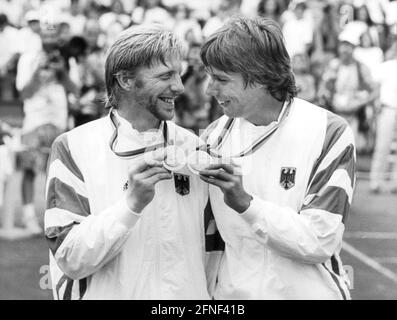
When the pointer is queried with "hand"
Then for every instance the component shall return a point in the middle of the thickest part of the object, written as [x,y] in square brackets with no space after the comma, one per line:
[142,180]
[231,184]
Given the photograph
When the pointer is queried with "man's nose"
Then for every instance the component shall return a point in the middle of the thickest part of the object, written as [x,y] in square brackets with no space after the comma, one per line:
[177,85]
[211,90]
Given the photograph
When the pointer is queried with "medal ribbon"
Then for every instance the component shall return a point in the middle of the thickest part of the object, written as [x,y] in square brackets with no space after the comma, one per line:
[251,149]
[132,153]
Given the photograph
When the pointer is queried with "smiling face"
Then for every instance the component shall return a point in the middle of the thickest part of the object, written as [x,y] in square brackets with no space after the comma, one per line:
[156,88]
[236,99]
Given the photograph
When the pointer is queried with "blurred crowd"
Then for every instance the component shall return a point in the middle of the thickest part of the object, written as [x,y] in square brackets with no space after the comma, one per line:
[344,56]
[313,31]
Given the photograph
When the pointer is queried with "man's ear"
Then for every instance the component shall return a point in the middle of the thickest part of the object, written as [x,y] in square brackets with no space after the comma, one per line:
[125,81]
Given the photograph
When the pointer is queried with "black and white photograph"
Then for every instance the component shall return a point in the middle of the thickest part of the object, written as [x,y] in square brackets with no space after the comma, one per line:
[208,152]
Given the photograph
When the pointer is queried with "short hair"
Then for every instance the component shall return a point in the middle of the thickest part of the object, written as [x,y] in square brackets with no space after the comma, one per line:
[136,47]
[254,48]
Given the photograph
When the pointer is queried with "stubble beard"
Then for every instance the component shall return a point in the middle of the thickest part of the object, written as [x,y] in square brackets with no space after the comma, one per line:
[149,102]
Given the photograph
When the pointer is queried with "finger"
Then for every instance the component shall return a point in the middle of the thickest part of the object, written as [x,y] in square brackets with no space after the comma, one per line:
[154,156]
[150,172]
[158,177]
[227,167]
[216,182]
[153,163]
[237,169]
[218,174]
[158,154]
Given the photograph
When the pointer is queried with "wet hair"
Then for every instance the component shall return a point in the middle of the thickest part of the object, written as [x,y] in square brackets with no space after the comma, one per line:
[136,47]
[253,48]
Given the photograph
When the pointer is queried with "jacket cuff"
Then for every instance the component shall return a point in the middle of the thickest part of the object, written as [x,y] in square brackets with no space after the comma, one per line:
[256,213]
[124,214]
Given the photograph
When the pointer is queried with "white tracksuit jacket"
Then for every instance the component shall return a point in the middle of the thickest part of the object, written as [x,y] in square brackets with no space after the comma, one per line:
[287,243]
[99,248]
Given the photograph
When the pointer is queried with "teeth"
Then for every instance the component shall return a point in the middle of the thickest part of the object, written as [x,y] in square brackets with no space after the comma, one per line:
[168,100]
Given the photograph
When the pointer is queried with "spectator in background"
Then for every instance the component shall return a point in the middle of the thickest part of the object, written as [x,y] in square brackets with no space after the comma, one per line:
[327,30]
[65,32]
[43,82]
[116,13]
[304,81]
[9,53]
[325,41]
[390,53]
[87,73]
[298,30]
[151,11]
[368,53]
[76,18]
[386,124]
[361,14]
[226,9]
[370,56]
[347,86]
[111,34]
[14,10]
[271,9]
[92,11]
[129,6]
[185,27]
[93,33]
[29,36]
[6,163]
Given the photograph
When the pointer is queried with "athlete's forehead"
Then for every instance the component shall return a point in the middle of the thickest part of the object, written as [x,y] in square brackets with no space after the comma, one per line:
[214,72]
[158,68]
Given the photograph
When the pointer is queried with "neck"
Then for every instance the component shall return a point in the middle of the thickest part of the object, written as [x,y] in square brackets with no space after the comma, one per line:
[139,117]
[267,113]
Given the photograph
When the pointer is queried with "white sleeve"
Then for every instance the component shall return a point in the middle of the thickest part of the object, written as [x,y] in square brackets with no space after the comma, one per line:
[25,69]
[311,236]
[314,233]
[22,74]
[378,73]
[81,243]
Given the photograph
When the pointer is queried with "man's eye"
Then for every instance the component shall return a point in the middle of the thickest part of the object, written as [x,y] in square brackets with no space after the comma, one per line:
[166,76]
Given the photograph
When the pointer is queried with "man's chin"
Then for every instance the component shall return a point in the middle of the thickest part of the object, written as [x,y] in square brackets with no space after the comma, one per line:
[229,113]
[162,114]
[166,115]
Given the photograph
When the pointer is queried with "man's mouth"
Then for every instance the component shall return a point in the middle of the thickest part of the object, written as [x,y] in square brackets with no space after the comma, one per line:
[168,100]
[223,102]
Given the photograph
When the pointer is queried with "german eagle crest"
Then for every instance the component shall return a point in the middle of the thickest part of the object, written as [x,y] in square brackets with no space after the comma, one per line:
[287,177]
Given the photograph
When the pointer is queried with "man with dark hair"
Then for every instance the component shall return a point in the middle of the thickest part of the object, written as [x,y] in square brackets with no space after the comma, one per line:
[281,193]
[118,223]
